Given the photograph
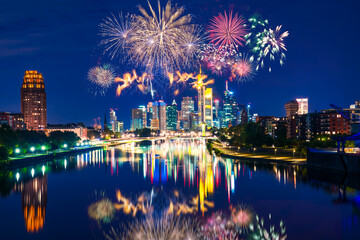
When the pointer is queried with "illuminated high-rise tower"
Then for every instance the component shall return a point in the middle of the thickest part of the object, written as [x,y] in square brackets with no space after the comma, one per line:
[33,101]
[204,102]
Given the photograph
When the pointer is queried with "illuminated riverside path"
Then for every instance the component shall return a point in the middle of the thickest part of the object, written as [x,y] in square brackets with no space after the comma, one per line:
[83,196]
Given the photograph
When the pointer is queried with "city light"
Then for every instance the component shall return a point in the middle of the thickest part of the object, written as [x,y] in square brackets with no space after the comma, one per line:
[65,145]
[43,148]
[32,172]
[17,175]
[17,150]
[32,149]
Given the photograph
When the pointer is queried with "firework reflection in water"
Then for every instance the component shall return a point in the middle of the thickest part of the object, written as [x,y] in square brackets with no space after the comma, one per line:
[164,227]
[102,210]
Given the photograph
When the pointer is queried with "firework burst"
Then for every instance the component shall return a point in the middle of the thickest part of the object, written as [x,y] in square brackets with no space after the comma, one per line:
[227,29]
[116,31]
[217,59]
[253,38]
[272,46]
[243,69]
[164,39]
[102,77]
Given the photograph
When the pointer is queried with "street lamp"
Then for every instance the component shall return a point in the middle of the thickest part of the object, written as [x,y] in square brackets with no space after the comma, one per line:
[32,149]
[293,153]
[254,150]
[275,152]
[43,148]
[65,145]
[17,150]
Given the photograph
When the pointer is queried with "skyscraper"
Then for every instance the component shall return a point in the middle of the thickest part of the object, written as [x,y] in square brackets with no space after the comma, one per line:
[208,107]
[216,113]
[113,119]
[231,109]
[162,115]
[187,107]
[171,116]
[157,110]
[138,118]
[33,101]
[303,104]
[291,108]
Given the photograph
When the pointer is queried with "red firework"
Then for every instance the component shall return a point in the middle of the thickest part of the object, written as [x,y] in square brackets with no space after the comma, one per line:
[242,70]
[227,29]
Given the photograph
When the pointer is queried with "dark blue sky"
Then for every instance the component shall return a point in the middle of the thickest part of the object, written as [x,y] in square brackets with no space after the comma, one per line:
[60,38]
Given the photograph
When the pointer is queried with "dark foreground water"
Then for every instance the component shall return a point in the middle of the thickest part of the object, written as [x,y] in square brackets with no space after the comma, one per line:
[110,193]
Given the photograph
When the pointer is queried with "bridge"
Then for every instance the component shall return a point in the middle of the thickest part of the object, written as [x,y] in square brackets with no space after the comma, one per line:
[118,141]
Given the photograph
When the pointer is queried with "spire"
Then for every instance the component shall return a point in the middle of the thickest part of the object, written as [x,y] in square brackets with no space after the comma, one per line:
[227,88]
[174,102]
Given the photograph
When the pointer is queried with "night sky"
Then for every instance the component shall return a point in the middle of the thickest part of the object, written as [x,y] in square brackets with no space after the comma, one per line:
[60,39]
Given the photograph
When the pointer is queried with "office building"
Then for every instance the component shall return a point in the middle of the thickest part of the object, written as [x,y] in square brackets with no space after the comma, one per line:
[113,119]
[216,113]
[138,118]
[33,101]
[194,121]
[171,116]
[231,113]
[303,106]
[291,108]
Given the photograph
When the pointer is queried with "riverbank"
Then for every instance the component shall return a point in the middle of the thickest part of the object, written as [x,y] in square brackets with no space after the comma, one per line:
[237,155]
[30,160]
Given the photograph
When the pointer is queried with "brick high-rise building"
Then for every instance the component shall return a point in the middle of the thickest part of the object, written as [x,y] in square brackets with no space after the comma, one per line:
[33,101]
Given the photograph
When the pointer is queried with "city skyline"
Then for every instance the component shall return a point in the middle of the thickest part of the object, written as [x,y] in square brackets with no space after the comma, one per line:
[64,64]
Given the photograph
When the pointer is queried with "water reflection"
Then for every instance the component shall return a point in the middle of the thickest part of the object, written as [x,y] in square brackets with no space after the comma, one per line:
[191,181]
[33,202]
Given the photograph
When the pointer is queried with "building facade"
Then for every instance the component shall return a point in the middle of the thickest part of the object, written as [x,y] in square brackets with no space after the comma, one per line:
[78,129]
[303,106]
[171,116]
[13,120]
[138,118]
[33,101]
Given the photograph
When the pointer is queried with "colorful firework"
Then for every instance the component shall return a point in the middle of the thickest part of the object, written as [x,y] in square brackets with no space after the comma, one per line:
[260,231]
[218,226]
[217,59]
[253,38]
[242,217]
[199,82]
[102,210]
[116,31]
[227,29]
[162,227]
[243,69]
[159,41]
[102,77]
[271,46]
[129,80]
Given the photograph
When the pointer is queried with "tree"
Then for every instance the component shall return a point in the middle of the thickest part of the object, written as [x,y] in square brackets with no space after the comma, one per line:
[281,135]
[145,132]
[93,134]
[3,153]
[59,138]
